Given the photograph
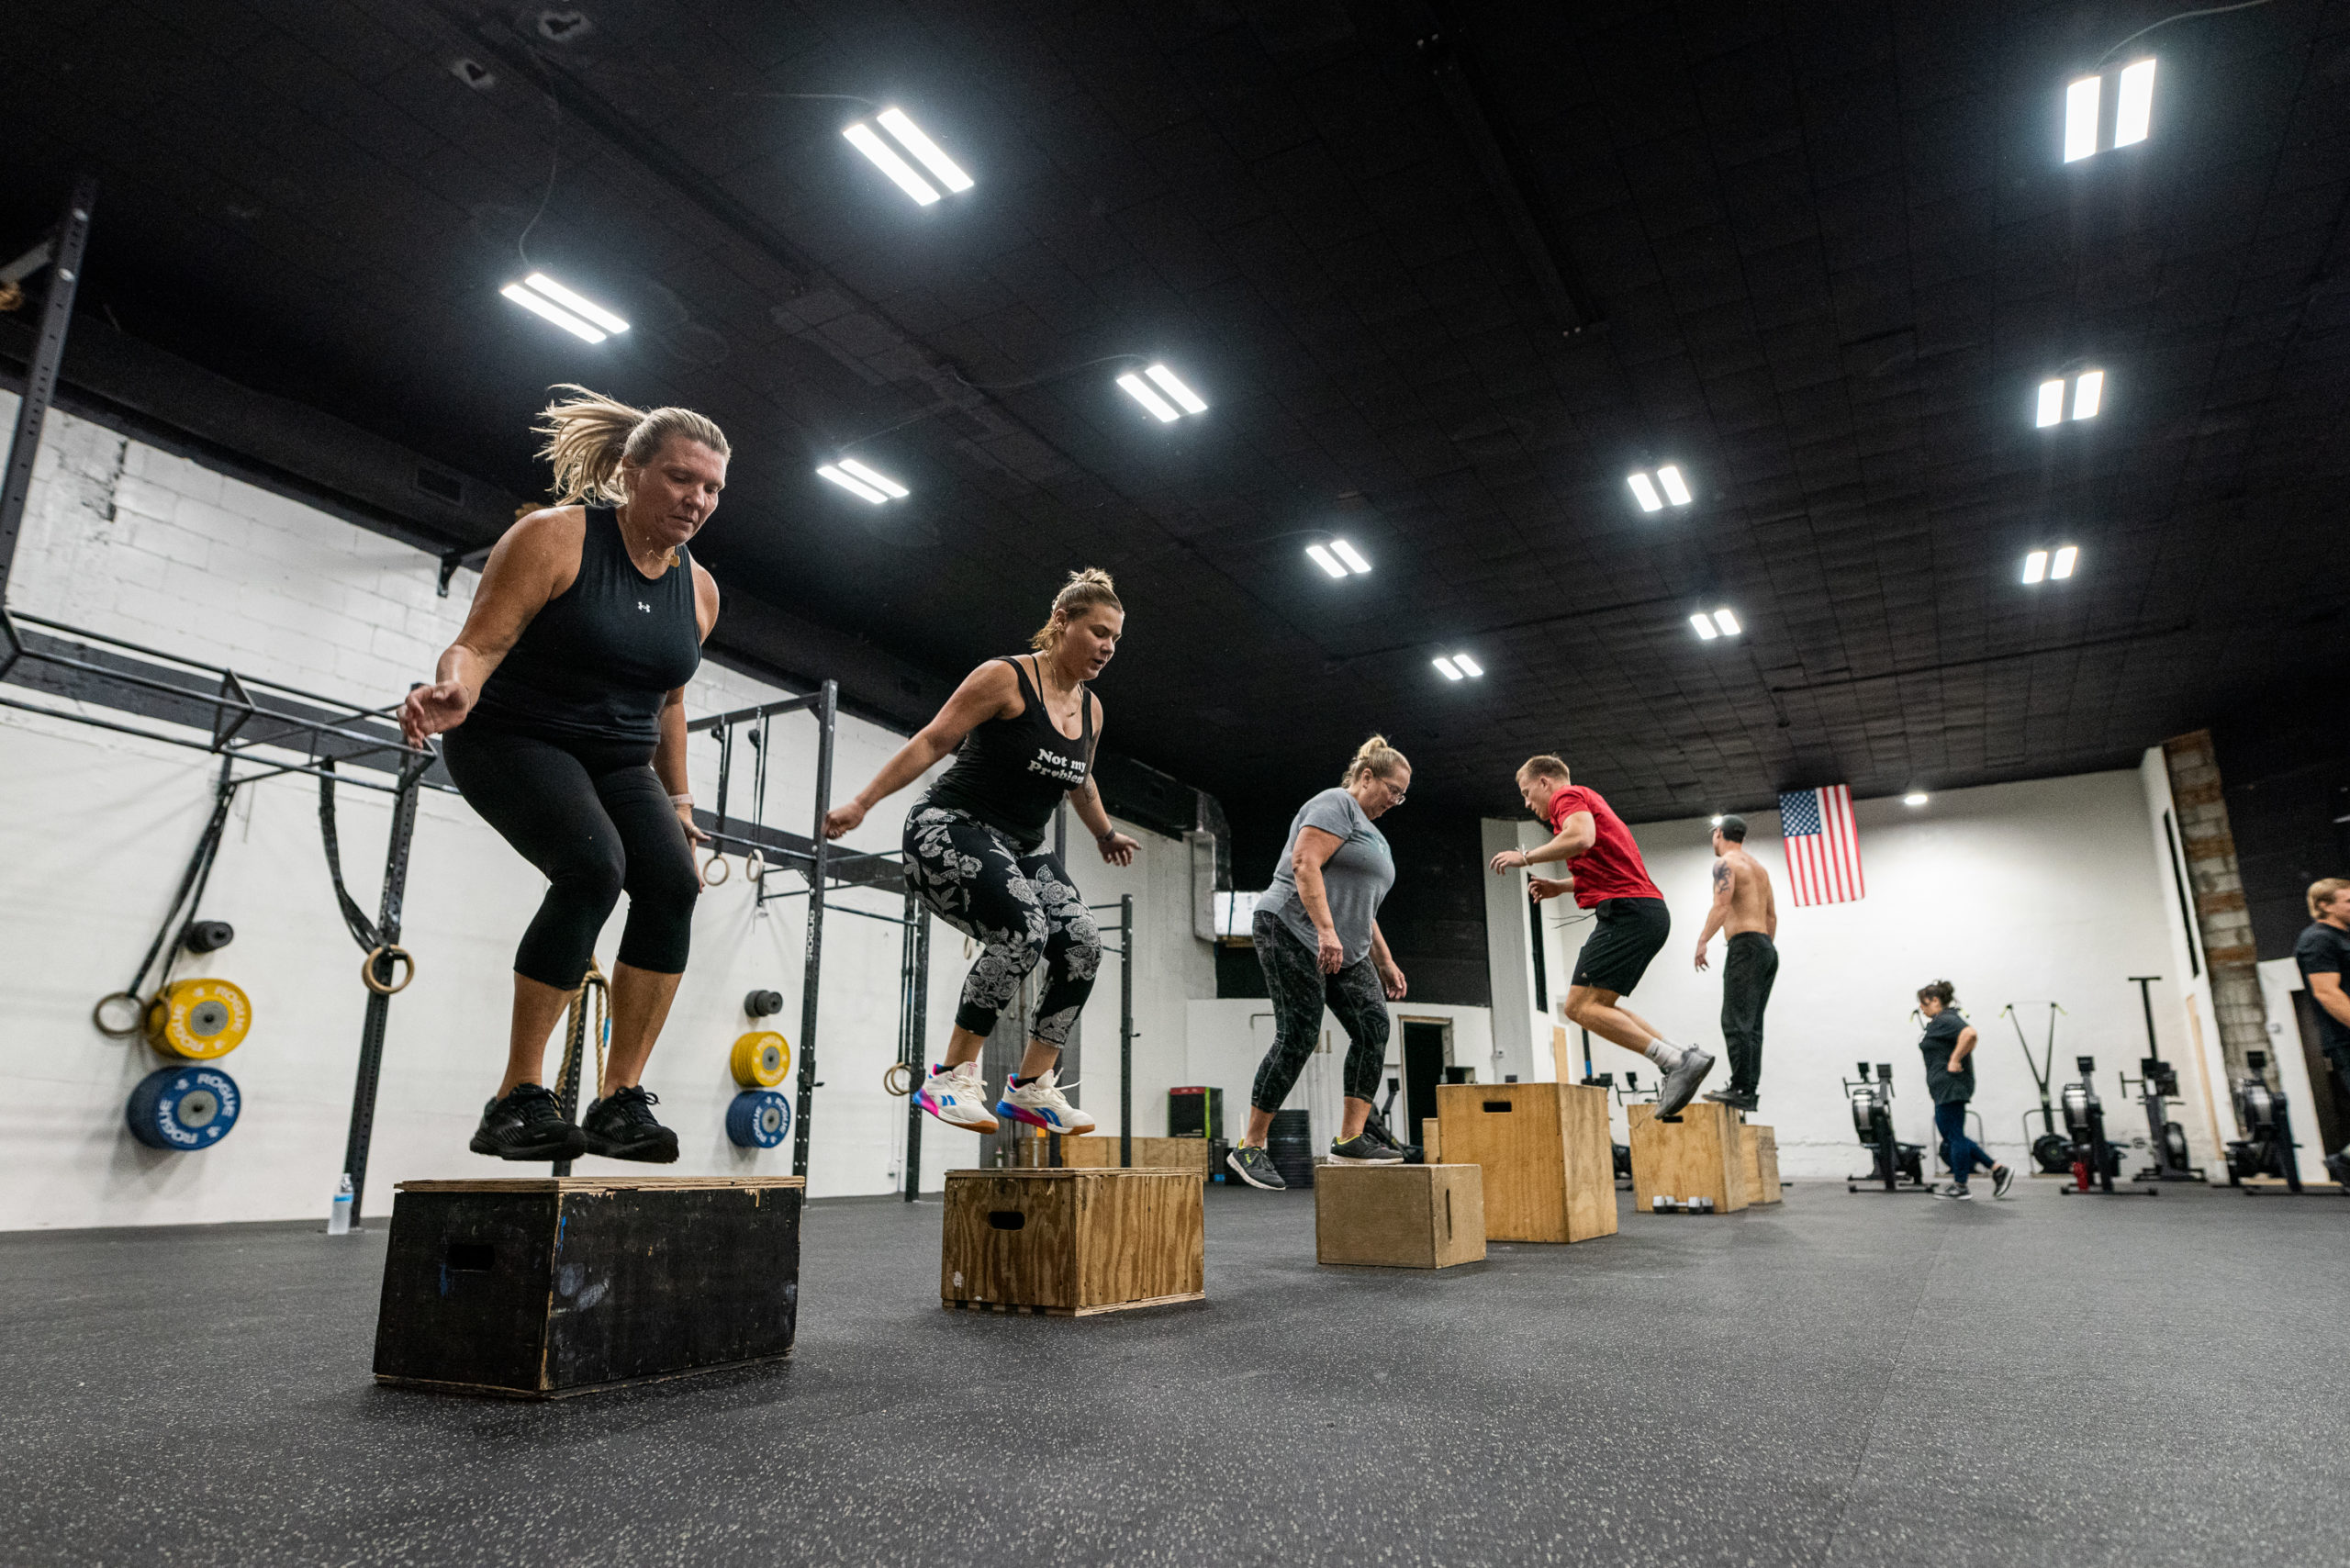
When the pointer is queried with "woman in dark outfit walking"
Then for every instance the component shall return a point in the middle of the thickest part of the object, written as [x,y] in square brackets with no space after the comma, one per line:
[975,850]
[563,700]
[1950,1077]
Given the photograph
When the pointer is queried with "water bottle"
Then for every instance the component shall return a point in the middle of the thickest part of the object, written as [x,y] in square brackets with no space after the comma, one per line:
[338,1216]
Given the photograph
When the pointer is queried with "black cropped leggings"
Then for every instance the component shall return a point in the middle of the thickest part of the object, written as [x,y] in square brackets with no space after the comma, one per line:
[1294,980]
[593,817]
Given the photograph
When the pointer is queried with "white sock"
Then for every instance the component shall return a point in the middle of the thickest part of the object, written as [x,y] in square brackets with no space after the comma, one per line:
[1663,1052]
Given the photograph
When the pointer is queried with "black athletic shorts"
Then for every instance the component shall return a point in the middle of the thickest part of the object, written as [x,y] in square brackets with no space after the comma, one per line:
[1625,933]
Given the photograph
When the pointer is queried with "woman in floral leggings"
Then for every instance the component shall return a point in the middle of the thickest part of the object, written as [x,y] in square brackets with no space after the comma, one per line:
[974,850]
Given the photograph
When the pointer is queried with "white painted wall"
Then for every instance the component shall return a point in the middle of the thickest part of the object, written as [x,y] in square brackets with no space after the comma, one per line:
[122,537]
[2015,892]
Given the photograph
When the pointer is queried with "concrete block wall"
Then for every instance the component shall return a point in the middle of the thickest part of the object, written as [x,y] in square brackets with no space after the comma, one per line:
[123,537]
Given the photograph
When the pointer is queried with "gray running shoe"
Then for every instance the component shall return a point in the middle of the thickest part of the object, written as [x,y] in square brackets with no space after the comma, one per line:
[1364,1149]
[1254,1166]
[2002,1178]
[1953,1189]
[1683,1080]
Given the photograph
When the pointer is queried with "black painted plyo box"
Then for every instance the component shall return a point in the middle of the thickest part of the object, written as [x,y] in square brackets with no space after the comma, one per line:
[542,1287]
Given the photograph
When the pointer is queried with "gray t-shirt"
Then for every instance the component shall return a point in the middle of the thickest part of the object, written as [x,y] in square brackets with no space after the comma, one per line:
[1355,879]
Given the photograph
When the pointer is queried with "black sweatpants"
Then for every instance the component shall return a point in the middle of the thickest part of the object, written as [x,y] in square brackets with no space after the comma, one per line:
[1747,974]
[1022,909]
[594,817]
[1299,989]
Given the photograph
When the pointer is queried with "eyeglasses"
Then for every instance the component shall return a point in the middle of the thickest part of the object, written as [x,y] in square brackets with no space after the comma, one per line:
[1393,791]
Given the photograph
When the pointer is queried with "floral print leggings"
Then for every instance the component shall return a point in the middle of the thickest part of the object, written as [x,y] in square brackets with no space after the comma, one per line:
[1020,909]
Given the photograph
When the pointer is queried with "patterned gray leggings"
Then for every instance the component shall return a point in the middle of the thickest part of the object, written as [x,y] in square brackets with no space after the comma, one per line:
[1020,909]
[1294,979]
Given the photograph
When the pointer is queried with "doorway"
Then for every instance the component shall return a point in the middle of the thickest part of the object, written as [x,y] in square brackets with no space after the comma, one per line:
[1428,1042]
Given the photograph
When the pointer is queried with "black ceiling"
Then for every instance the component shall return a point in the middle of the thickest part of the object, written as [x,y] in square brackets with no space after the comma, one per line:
[1820,255]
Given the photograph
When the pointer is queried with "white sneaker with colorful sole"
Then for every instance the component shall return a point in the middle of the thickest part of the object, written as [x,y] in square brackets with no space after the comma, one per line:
[1040,1103]
[957,1096]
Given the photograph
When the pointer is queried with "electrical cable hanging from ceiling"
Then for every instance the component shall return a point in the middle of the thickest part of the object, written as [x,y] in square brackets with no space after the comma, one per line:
[2180,17]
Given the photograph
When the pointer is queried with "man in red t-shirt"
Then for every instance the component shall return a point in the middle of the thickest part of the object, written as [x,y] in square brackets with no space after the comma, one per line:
[1630,923]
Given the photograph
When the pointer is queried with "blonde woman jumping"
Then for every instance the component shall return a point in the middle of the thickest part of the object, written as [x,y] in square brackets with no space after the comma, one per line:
[974,849]
[563,700]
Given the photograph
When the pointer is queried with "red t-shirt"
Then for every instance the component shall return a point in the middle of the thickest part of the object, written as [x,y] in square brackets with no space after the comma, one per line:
[1611,867]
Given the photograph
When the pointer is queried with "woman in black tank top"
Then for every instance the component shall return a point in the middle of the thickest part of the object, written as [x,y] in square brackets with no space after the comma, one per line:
[974,849]
[562,701]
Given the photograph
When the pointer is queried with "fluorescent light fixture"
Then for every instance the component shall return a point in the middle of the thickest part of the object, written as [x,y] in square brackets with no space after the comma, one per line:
[1190,401]
[2035,566]
[2134,103]
[539,305]
[575,304]
[1451,671]
[1727,622]
[1328,562]
[853,485]
[2080,119]
[1645,493]
[873,477]
[1705,625]
[1349,554]
[2061,566]
[2052,403]
[1676,490]
[1139,390]
[1469,666]
[1914,798]
[885,158]
[910,135]
[2089,393]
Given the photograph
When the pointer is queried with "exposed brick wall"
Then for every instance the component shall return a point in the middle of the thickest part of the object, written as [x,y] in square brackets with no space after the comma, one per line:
[2221,916]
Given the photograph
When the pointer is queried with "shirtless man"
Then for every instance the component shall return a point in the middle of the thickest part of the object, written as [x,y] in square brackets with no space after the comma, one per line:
[1629,923]
[1744,908]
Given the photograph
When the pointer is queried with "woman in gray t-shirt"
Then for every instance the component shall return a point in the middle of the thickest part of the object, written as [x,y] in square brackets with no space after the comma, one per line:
[1317,938]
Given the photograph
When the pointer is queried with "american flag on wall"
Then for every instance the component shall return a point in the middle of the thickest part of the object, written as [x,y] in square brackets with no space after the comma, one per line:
[1823,847]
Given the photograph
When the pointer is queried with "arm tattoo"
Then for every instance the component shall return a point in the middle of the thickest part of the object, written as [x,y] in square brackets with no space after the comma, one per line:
[1722,875]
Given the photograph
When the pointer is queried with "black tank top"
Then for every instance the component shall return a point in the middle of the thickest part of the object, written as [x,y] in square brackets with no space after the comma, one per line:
[1011,772]
[602,657]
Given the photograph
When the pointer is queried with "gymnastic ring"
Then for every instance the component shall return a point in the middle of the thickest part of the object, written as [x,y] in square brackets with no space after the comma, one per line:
[390,955]
[898,1079]
[718,863]
[754,866]
[137,1019]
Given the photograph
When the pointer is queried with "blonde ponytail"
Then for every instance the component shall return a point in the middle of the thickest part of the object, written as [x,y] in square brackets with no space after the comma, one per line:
[1374,758]
[1084,591]
[589,436]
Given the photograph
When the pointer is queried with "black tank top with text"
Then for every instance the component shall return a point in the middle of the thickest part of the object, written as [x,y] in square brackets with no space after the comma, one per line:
[600,660]
[1012,773]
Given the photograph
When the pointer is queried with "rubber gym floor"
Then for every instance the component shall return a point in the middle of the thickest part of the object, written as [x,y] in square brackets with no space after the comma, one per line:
[1847,1379]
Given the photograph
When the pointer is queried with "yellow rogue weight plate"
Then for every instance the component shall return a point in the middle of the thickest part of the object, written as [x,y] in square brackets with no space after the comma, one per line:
[761,1059]
[198,1019]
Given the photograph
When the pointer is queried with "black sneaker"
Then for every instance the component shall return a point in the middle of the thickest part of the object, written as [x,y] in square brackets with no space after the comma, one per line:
[1364,1149]
[1745,1104]
[1254,1166]
[1375,1128]
[621,1126]
[2002,1178]
[2337,1165]
[526,1123]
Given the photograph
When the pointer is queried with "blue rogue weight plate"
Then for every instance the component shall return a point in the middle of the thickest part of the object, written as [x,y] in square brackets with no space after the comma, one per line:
[759,1118]
[183,1108]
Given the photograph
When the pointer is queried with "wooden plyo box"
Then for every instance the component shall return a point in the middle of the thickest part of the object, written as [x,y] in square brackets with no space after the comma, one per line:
[1550,1166]
[1761,1164]
[1071,1242]
[1697,1155]
[1094,1152]
[539,1287]
[1399,1216]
